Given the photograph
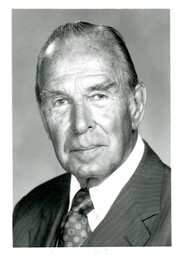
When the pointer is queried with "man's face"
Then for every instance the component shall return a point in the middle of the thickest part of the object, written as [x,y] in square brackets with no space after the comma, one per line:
[86,113]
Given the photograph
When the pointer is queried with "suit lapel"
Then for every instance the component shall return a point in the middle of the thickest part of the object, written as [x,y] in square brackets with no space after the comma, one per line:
[124,224]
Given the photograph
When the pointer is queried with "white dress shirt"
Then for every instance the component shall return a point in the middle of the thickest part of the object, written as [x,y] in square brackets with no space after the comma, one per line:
[105,194]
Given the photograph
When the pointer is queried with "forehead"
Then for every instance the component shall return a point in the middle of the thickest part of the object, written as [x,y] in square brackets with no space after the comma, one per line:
[87,62]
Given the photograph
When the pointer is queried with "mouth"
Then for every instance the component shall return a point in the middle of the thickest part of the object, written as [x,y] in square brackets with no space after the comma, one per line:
[86,153]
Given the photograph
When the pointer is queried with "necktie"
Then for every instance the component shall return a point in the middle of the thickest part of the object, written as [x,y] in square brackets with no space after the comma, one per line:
[75,228]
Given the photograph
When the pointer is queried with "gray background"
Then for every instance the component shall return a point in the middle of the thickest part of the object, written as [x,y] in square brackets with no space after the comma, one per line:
[146,33]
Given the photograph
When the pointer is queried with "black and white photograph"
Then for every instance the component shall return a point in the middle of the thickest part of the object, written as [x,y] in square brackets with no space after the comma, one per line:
[91,127]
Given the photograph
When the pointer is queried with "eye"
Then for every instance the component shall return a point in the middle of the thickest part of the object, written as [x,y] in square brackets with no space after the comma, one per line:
[99,99]
[99,96]
[60,102]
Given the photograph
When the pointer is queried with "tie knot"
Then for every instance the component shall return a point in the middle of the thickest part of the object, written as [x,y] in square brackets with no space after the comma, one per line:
[82,202]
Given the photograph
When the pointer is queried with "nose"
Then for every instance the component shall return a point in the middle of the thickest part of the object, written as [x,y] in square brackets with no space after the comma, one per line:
[82,119]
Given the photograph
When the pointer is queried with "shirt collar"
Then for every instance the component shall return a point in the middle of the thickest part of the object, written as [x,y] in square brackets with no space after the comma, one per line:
[105,194]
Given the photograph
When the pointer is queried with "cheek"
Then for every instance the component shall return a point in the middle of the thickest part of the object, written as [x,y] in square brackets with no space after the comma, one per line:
[114,118]
[118,125]
[58,128]
[122,114]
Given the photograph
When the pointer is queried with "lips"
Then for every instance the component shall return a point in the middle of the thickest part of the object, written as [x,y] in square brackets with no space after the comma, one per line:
[86,153]
[85,149]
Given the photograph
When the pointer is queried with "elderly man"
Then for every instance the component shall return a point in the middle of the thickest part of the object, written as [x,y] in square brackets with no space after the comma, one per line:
[116,191]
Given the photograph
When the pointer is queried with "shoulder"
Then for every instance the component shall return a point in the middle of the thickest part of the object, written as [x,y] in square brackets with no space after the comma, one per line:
[45,194]
[159,224]
[159,173]
[152,160]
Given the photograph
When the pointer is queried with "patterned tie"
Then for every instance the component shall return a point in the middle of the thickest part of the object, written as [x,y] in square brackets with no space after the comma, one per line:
[75,229]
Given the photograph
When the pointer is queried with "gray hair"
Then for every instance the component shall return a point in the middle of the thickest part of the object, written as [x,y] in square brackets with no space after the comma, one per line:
[112,38]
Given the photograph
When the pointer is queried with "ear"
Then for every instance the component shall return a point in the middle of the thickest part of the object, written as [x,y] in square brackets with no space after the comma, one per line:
[137,105]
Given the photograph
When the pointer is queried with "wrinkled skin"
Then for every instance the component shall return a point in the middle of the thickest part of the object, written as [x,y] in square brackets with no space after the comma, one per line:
[87,114]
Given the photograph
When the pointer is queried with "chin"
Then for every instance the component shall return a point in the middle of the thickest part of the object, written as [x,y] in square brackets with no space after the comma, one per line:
[88,172]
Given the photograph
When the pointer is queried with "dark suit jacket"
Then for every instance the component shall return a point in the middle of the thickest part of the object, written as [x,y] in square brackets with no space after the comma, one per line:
[140,215]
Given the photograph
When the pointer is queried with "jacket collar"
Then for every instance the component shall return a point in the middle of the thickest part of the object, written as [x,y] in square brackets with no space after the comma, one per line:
[124,224]
[146,184]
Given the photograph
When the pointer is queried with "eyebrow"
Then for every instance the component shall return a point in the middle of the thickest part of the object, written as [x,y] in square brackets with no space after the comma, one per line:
[50,93]
[104,86]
